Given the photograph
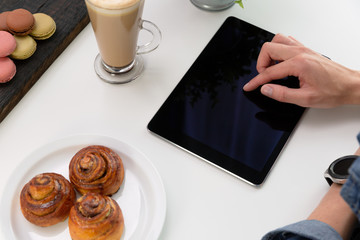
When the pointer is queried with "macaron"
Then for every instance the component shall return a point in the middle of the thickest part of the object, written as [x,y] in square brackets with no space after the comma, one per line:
[7,69]
[8,44]
[20,22]
[3,25]
[44,27]
[25,47]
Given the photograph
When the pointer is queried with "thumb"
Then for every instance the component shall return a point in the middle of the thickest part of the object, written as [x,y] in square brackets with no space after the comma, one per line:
[282,93]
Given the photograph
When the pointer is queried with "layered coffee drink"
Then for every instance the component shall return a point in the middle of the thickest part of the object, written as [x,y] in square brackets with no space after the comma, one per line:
[116,24]
[116,27]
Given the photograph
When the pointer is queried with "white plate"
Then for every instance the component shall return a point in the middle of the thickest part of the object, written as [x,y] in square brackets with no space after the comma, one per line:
[141,196]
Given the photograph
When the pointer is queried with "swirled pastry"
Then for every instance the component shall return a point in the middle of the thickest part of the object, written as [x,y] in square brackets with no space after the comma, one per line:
[96,169]
[47,199]
[95,216]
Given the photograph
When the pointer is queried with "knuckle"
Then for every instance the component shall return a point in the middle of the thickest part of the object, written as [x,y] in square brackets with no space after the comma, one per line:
[303,49]
[269,73]
[265,46]
[302,61]
[282,96]
[278,37]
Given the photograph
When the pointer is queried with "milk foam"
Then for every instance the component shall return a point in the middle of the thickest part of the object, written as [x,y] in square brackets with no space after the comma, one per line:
[113,4]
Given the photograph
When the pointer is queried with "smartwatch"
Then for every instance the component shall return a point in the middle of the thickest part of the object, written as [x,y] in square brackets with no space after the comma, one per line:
[337,172]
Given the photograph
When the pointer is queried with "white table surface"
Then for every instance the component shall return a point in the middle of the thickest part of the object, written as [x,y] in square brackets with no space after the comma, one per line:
[202,201]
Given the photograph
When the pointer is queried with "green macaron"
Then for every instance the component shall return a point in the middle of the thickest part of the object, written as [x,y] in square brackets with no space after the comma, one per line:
[25,47]
[44,27]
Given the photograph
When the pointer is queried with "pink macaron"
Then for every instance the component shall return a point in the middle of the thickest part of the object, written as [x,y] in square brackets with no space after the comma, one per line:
[7,69]
[8,44]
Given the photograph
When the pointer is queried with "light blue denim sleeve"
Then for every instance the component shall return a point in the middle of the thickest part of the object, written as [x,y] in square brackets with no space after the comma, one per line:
[351,189]
[316,230]
[304,230]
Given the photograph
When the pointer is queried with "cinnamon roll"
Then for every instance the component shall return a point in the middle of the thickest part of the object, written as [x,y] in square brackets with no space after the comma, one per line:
[96,169]
[95,216]
[47,199]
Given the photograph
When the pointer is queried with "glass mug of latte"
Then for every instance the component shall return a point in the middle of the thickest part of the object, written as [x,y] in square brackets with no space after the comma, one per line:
[116,24]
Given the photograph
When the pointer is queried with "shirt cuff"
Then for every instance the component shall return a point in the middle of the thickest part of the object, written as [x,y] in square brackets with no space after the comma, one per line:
[308,229]
[350,191]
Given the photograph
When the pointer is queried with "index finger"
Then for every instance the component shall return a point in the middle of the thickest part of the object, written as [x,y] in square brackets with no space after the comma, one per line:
[278,71]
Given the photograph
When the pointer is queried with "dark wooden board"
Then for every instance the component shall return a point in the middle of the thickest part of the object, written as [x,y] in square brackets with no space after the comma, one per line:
[70,17]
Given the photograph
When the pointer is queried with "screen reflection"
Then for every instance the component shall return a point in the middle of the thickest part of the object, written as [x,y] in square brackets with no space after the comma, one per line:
[210,106]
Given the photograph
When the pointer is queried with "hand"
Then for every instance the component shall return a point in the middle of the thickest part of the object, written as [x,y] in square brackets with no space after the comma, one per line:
[323,83]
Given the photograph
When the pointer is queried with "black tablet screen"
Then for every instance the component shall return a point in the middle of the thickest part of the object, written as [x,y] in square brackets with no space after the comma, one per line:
[210,115]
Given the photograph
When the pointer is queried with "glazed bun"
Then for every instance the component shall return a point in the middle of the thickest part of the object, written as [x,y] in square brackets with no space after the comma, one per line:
[95,216]
[96,169]
[47,199]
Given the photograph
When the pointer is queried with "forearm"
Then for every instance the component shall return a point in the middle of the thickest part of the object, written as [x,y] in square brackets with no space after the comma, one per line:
[352,89]
[334,211]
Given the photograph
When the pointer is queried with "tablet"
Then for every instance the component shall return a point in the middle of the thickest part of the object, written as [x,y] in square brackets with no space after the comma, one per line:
[209,115]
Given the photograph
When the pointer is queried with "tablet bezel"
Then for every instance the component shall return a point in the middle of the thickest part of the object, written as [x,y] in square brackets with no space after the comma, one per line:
[209,154]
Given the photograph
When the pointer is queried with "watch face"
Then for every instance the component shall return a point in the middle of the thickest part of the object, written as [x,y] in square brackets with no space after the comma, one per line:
[339,168]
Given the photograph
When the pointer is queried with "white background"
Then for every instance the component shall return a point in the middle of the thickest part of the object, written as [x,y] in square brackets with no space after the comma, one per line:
[202,201]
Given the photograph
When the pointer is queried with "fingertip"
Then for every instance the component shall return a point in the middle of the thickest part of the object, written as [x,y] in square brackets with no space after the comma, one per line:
[246,87]
[282,94]
[253,83]
[249,86]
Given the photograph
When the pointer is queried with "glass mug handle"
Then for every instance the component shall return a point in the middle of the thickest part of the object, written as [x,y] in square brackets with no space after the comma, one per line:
[156,34]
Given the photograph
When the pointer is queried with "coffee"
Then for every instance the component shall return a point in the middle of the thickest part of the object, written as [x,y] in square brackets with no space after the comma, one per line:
[116,27]
[116,24]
